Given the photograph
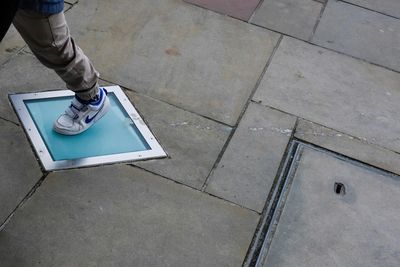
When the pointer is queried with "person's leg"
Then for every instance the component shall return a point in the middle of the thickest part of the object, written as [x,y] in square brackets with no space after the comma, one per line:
[49,39]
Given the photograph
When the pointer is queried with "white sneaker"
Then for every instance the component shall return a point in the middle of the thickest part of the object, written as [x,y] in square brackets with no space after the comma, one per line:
[80,115]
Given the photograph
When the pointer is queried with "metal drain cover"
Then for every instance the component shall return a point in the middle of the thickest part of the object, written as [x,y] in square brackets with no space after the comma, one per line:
[356,224]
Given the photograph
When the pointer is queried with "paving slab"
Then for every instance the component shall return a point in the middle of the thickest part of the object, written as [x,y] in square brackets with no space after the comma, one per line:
[11,44]
[334,90]
[193,143]
[19,169]
[348,146]
[296,18]
[191,57]
[24,73]
[360,33]
[241,9]
[321,228]
[123,216]
[250,163]
[389,7]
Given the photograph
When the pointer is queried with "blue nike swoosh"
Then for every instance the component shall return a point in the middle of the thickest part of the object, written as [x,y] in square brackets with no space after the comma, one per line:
[89,120]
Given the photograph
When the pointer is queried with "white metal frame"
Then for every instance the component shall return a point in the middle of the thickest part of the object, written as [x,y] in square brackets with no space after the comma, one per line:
[155,151]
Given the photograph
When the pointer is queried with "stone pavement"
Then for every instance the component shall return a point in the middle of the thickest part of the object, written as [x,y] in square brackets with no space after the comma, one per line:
[280,118]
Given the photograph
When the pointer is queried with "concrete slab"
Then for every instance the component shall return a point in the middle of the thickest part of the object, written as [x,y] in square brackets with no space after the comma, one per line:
[296,18]
[19,169]
[360,33]
[11,44]
[235,8]
[184,55]
[250,163]
[334,90]
[389,7]
[348,146]
[122,216]
[192,142]
[24,73]
[321,228]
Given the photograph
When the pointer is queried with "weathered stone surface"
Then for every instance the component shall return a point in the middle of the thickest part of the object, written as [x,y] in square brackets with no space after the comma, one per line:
[292,17]
[11,44]
[192,142]
[251,161]
[71,1]
[321,228]
[19,169]
[24,73]
[389,7]
[348,146]
[236,8]
[184,55]
[360,33]
[334,90]
[122,216]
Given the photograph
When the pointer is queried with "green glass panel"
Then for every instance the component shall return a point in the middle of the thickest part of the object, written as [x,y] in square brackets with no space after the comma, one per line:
[115,133]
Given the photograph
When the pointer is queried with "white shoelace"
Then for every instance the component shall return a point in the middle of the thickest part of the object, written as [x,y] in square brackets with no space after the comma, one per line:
[74,109]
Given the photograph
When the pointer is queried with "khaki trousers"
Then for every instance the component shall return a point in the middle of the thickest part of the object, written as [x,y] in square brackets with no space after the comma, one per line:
[49,39]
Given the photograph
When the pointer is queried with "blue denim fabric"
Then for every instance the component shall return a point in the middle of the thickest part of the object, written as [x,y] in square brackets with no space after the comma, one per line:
[43,6]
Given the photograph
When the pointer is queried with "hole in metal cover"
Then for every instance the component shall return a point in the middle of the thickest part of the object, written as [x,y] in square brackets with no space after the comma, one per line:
[339,188]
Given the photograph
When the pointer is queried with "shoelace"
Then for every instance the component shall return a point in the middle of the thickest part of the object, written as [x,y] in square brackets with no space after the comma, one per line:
[74,109]
[77,105]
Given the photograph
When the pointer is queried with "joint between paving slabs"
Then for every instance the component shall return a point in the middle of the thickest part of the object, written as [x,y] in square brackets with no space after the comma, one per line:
[347,159]
[71,3]
[165,102]
[249,100]
[364,141]
[361,140]
[332,50]
[213,11]
[12,122]
[369,9]
[327,48]
[23,201]
[318,20]
[255,10]
[191,187]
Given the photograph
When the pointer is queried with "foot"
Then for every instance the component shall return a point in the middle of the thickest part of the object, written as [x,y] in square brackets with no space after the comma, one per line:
[81,114]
